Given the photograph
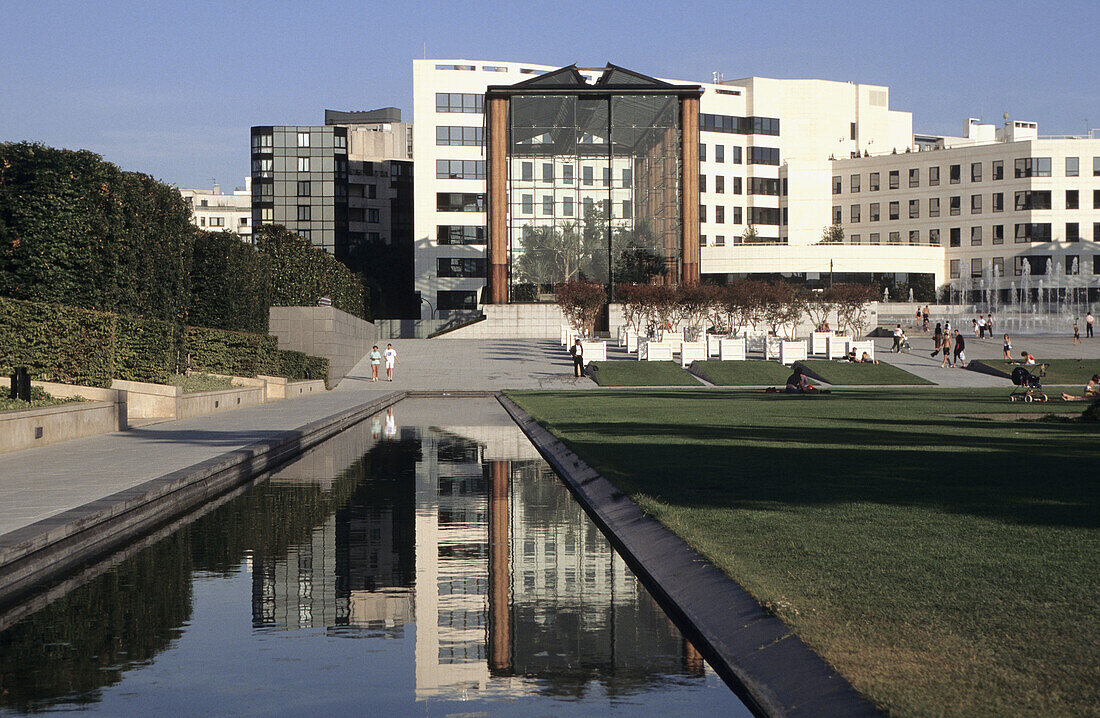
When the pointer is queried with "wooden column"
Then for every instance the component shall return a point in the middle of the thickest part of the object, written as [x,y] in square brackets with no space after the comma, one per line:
[689,211]
[500,574]
[498,200]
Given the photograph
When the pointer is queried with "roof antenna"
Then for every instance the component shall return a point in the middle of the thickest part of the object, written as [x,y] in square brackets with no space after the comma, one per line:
[717,77]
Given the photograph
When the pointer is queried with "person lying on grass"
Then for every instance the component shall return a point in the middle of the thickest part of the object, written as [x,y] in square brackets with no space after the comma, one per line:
[866,359]
[1092,391]
[797,383]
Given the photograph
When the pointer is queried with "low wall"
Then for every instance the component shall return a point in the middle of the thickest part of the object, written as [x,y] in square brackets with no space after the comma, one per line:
[201,403]
[525,321]
[158,401]
[28,428]
[327,332]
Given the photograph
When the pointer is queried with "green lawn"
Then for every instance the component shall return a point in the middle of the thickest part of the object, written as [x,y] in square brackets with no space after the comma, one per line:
[39,398]
[743,373]
[1066,372]
[191,383]
[945,564]
[843,373]
[640,373]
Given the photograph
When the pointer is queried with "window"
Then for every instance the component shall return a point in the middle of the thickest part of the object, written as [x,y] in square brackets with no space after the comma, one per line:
[934,237]
[459,234]
[303,164]
[895,210]
[460,267]
[587,177]
[459,202]
[975,204]
[895,238]
[202,221]
[303,189]
[340,142]
[975,267]
[628,209]
[465,169]
[852,131]
[737,158]
[547,172]
[305,234]
[1032,199]
[458,102]
[719,153]
[548,205]
[914,209]
[373,216]
[999,266]
[1073,199]
[526,171]
[764,156]
[1073,232]
[954,173]
[764,185]
[262,167]
[975,236]
[720,240]
[914,236]
[873,212]
[738,215]
[764,215]
[606,176]
[998,234]
[455,300]
[702,183]
[1073,264]
[1033,232]
[567,206]
[954,205]
[934,207]
[838,187]
[955,263]
[895,179]
[1018,265]
[1096,166]
[628,176]
[720,184]
[262,143]
[303,213]
[914,178]
[1033,167]
[1073,166]
[303,139]
[955,237]
[998,201]
[874,238]
[855,183]
[837,219]
[975,171]
[1096,202]
[702,240]
[720,214]
[243,221]
[737,185]
[702,152]
[267,214]
[854,238]
[872,183]
[933,176]
[567,174]
[204,203]
[853,213]
[459,136]
[702,213]
[527,204]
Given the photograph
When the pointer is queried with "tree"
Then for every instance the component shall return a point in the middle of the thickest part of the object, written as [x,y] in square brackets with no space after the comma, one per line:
[750,235]
[782,307]
[300,274]
[230,288]
[832,234]
[695,302]
[818,307]
[581,303]
[852,302]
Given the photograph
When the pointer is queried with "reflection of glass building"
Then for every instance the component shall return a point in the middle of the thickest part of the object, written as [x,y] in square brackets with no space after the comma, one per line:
[590,182]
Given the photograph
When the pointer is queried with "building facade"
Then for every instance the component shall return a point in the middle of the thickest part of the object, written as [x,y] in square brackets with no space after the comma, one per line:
[214,211]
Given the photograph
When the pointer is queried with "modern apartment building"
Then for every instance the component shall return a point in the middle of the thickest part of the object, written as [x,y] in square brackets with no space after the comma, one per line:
[214,211]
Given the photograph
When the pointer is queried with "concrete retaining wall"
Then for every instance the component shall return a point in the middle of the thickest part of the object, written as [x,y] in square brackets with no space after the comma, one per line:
[324,332]
[158,401]
[525,321]
[28,428]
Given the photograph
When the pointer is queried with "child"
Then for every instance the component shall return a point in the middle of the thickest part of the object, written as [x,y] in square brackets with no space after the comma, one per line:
[1076,333]
[1007,349]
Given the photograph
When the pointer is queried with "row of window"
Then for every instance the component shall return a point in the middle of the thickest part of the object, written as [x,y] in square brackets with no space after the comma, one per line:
[567,206]
[460,169]
[756,215]
[459,102]
[720,240]
[460,267]
[1039,265]
[568,176]
[755,155]
[1023,232]
[756,185]
[460,136]
[1025,200]
[264,142]
[220,222]
[739,125]
[1024,167]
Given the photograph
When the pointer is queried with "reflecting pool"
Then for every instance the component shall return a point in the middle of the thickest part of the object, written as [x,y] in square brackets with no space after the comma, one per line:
[426,561]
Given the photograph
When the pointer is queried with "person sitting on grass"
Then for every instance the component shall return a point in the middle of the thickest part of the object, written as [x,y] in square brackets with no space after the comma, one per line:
[852,355]
[1092,391]
[866,359]
[1026,358]
[797,383]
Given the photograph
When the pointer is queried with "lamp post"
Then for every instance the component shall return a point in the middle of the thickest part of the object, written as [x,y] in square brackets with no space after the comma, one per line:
[430,307]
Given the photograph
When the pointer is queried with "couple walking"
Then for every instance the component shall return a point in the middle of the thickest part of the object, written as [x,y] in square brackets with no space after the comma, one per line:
[376,357]
[945,343]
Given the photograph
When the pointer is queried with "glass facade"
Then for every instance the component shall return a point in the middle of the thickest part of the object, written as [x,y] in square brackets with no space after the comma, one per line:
[594,190]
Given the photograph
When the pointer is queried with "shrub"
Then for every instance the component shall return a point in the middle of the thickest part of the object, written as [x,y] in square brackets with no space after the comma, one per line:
[300,274]
[225,352]
[145,350]
[297,366]
[58,343]
[230,284]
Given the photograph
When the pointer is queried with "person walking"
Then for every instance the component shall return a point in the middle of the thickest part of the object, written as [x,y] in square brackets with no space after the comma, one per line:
[1008,348]
[577,352]
[938,339]
[390,356]
[897,339]
[925,314]
[946,348]
[1076,333]
[375,362]
[989,324]
[1089,321]
[960,348]
[975,323]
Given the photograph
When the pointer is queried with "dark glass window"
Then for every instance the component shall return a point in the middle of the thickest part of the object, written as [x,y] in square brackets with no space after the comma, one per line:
[459,136]
[459,202]
[872,213]
[458,102]
[914,178]
[998,169]
[460,169]
[855,183]
[737,185]
[914,209]
[737,155]
[702,152]
[954,174]
[1073,232]
[720,214]
[895,210]
[1033,167]
[975,236]
[838,187]
[998,201]
[954,205]
[1073,199]
[975,171]
[460,234]
[837,218]
[719,153]
[872,184]
[933,206]
[765,185]
[764,156]
[720,184]
[933,176]
[934,237]
[956,236]
[975,204]
[895,238]
[975,267]
[731,124]
[1032,199]
[303,189]
[853,214]
[998,234]
[702,183]
[1033,232]
[455,300]
[764,215]
[738,215]
[460,267]
[955,264]
[374,216]
[895,179]
[914,236]
[303,213]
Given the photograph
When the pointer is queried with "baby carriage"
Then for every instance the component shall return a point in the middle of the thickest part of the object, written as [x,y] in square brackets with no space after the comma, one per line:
[1028,386]
[903,345]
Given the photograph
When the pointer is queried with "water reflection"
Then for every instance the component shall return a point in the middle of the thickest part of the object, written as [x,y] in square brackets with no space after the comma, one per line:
[433,529]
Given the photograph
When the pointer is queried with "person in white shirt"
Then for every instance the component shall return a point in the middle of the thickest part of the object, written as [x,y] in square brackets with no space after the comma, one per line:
[1089,321]
[577,351]
[390,355]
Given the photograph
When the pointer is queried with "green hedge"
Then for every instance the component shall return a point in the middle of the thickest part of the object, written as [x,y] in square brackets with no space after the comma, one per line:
[65,344]
[81,346]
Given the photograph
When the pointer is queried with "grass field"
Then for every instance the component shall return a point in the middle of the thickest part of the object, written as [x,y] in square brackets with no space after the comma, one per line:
[641,373]
[844,373]
[945,564]
[743,373]
[1062,372]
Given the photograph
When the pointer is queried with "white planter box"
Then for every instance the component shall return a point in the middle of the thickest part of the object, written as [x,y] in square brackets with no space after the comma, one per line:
[790,352]
[817,342]
[594,351]
[631,341]
[755,341]
[865,345]
[714,344]
[771,347]
[692,351]
[731,349]
[836,347]
[654,351]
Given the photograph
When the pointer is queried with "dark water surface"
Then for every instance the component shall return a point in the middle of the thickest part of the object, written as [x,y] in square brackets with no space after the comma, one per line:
[425,562]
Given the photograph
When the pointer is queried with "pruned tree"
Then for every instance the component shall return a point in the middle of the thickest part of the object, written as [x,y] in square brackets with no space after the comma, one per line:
[581,303]
[695,302]
[852,303]
[819,305]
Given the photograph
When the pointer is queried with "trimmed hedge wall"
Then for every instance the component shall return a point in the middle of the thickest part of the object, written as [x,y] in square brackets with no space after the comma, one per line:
[82,346]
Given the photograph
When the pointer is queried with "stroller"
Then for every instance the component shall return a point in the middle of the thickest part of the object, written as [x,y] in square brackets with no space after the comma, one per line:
[903,345]
[1028,386]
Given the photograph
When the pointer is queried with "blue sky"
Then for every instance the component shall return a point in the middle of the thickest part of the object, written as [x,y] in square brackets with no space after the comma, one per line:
[172,88]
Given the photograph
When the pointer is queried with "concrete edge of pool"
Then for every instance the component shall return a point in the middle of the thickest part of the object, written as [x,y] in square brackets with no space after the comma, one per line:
[34,555]
[770,668]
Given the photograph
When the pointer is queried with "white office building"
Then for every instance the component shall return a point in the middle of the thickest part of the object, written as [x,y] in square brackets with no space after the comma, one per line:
[215,212]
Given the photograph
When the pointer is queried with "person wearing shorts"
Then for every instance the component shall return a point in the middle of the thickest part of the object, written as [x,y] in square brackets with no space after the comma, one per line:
[1008,348]
[960,348]
[375,362]
[391,358]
